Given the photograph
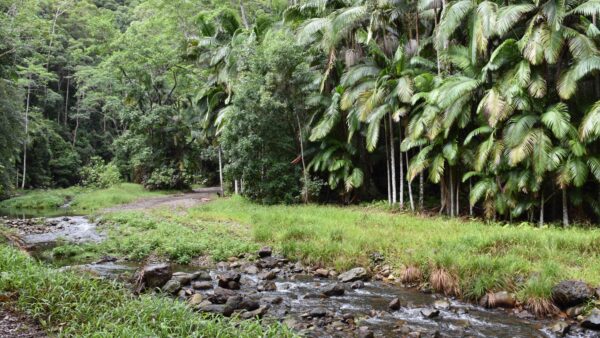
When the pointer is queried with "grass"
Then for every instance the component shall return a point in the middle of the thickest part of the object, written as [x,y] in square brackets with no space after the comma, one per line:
[68,304]
[83,200]
[466,258]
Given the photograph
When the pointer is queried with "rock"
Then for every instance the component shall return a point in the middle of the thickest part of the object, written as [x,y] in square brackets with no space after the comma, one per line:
[430,313]
[183,277]
[592,321]
[156,275]
[196,299]
[172,286]
[597,292]
[201,275]
[575,311]
[265,251]
[364,332]
[394,305]
[251,269]
[353,275]
[232,304]
[272,300]
[229,280]
[323,273]
[317,313]
[441,304]
[261,311]
[333,290]
[357,285]
[267,286]
[268,263]
[298,268]
[267,275]
[212,308]
[570,293]
[202,285]
[498,299]
[220,295]
[560,328]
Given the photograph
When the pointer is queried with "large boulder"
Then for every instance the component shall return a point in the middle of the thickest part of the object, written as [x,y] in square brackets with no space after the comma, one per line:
[183,277]
[353,275]
[592,321]
[229,280]
[155,275]
[571,292]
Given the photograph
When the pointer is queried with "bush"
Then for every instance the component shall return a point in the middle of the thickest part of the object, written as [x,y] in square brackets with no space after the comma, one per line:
[98,174]
[167,178]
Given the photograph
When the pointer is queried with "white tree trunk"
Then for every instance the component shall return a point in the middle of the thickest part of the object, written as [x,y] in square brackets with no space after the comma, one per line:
[410,194]
[235,182]
[392,160]
[305,173]
[26,133]
[565,207]
[541,223]
[387,165]
[221,172]
[401,169]
[451,194]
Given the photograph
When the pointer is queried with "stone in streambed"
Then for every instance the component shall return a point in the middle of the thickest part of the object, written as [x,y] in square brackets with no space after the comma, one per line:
[220,295]
[574,311]
[156,275]
[430,313]
[212,308]
[498,299]
[571,292]
[394,305]
[202,285]
[441,304]
[172,286]
[333,290]
[251,269]
[560,328]
[259,312]
[364,332]
[183,277]
[229,280]
[357,285]
[201,275]
[267,286]
[353,275]
[592,321]
[267,275]
[317,313]
[196,299]
[265,251]
[322,273]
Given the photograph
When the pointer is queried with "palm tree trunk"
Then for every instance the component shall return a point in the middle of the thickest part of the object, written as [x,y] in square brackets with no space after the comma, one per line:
[401,169]
[235,185]
[26,133]
[457,213]
[541,223]
[565,207]
[410,194]
[67,102]
[392,160]
[387,165]
[421,186]
[243,13]
[221,172]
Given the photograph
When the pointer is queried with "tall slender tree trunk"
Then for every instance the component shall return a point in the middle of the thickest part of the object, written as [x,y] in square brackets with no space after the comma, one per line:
[451,193]
[392,160]
[401,168]
[67,102]
[470,205]
[541,222]
[421,186]
[387,164]
[221,173]
[26,133]
[410,194]
[565,207]
[305,193]
[235,183]
[457,213]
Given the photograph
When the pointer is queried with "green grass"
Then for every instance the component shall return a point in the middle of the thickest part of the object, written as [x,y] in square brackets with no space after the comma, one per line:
[138,234]
[69,304]
[83,200]
[479,257]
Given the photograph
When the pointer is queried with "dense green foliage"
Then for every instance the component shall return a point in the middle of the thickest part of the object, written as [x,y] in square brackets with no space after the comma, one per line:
[490,105]
[100,308]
